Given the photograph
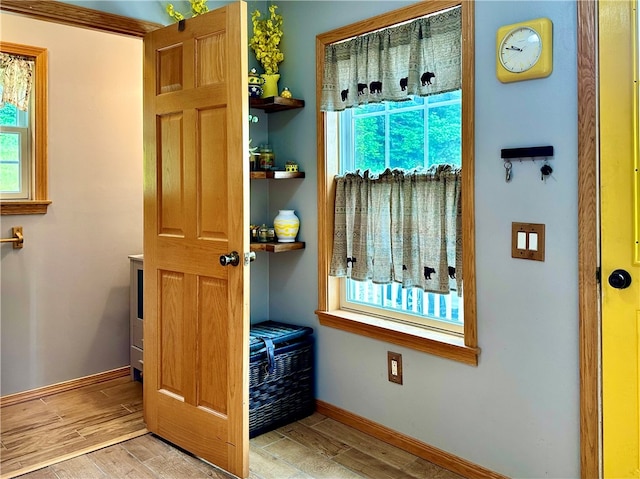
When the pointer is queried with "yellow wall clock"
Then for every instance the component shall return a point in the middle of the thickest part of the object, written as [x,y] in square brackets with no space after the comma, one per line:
[524,50]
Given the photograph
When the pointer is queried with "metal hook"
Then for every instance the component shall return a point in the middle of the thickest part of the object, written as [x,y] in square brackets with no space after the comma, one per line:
[507,167]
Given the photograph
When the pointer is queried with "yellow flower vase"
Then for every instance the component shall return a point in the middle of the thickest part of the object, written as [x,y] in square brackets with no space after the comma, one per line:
[270,87]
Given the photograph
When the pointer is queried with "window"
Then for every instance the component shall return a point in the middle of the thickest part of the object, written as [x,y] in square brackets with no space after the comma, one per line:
[424,131]
[15,153]
[23,141]
[420,133]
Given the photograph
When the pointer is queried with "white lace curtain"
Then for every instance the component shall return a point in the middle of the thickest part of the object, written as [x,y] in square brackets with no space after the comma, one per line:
[422,57]
[16,80]
[403,227]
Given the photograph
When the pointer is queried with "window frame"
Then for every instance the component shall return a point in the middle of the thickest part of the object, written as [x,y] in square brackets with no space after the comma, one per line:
[464,349]
[39,202]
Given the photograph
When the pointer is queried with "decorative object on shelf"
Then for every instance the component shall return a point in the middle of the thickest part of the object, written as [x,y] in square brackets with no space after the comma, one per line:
[254,161]
[286,93]
[286,225]
[267,157]
[266,38]
[291,166]
[267,34]
[253,230]
[252,149]
[270,87]
[198,7]
[253,156]
[263,234]
[255,85]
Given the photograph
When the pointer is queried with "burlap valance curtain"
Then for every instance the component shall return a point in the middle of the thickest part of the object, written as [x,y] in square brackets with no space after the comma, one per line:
[16,80]
[422,57]
[403,227]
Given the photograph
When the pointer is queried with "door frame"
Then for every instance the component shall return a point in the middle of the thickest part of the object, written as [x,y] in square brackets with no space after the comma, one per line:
[590,317]
[588,258]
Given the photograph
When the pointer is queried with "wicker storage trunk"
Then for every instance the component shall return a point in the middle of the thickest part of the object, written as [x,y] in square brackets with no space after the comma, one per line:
[281,375]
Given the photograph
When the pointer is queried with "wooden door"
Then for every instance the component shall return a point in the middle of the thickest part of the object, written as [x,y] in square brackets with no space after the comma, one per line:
[196,324]
[620,238]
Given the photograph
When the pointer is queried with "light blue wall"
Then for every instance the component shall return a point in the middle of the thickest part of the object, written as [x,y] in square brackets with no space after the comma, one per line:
[517,413]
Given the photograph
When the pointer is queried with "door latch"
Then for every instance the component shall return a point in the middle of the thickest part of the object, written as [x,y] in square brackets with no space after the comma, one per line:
[249,257]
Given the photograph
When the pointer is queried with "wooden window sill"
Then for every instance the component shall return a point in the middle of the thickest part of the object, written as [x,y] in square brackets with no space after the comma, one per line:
[440,344]
[27,207]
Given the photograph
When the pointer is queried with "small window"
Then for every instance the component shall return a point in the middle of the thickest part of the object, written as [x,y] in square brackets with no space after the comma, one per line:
[15,153]
[23,134]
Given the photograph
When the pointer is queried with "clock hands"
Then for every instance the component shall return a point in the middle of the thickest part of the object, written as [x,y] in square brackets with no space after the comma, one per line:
[511,47]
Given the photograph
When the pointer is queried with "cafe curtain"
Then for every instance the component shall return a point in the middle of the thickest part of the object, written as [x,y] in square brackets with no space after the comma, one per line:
[403,227]
[421,57]
[16,80]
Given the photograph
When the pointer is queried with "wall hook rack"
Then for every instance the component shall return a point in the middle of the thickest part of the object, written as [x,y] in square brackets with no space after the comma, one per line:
[528,153]
[531,153]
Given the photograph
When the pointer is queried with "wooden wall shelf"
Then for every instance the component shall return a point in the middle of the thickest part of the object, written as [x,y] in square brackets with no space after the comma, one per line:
[277,247]
[276,175]
[275,103]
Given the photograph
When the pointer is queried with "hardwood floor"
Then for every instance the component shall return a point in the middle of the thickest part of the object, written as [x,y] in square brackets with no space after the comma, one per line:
[316,447]
[34,432]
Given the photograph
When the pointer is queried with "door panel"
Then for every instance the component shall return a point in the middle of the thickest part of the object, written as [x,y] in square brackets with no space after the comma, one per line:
[619,220]
[195,210]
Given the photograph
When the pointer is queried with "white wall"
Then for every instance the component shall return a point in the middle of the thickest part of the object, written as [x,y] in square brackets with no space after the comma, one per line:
[65,308]
[517,413]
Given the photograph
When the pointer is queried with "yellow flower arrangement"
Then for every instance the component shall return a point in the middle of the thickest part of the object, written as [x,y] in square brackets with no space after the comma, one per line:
[265,42]
[198,7]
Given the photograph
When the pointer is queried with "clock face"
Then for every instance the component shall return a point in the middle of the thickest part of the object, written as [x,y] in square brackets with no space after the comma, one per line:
[520,49]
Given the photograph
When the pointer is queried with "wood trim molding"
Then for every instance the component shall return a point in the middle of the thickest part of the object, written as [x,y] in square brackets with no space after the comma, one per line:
[425,451]
[468,176]
[589,316]
[439,344]
[24,207]
[39,194]
[11,399]
[67,14]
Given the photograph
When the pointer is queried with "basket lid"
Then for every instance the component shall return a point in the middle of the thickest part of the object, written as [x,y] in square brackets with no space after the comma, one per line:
[276,332]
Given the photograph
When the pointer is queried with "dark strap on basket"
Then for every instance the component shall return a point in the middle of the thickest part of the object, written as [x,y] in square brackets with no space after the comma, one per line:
[271,362]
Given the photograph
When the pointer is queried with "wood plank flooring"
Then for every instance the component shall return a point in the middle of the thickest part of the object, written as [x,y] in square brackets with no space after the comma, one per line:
[33,433]
[316,447]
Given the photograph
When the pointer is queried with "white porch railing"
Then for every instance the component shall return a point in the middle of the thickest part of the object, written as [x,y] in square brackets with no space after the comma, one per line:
[447,308]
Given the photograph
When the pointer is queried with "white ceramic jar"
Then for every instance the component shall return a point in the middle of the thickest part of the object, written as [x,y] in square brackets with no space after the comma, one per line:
[286,225]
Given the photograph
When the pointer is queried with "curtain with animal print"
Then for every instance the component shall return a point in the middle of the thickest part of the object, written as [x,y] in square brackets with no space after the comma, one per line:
[16,80]
[382,233]
[422,57]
